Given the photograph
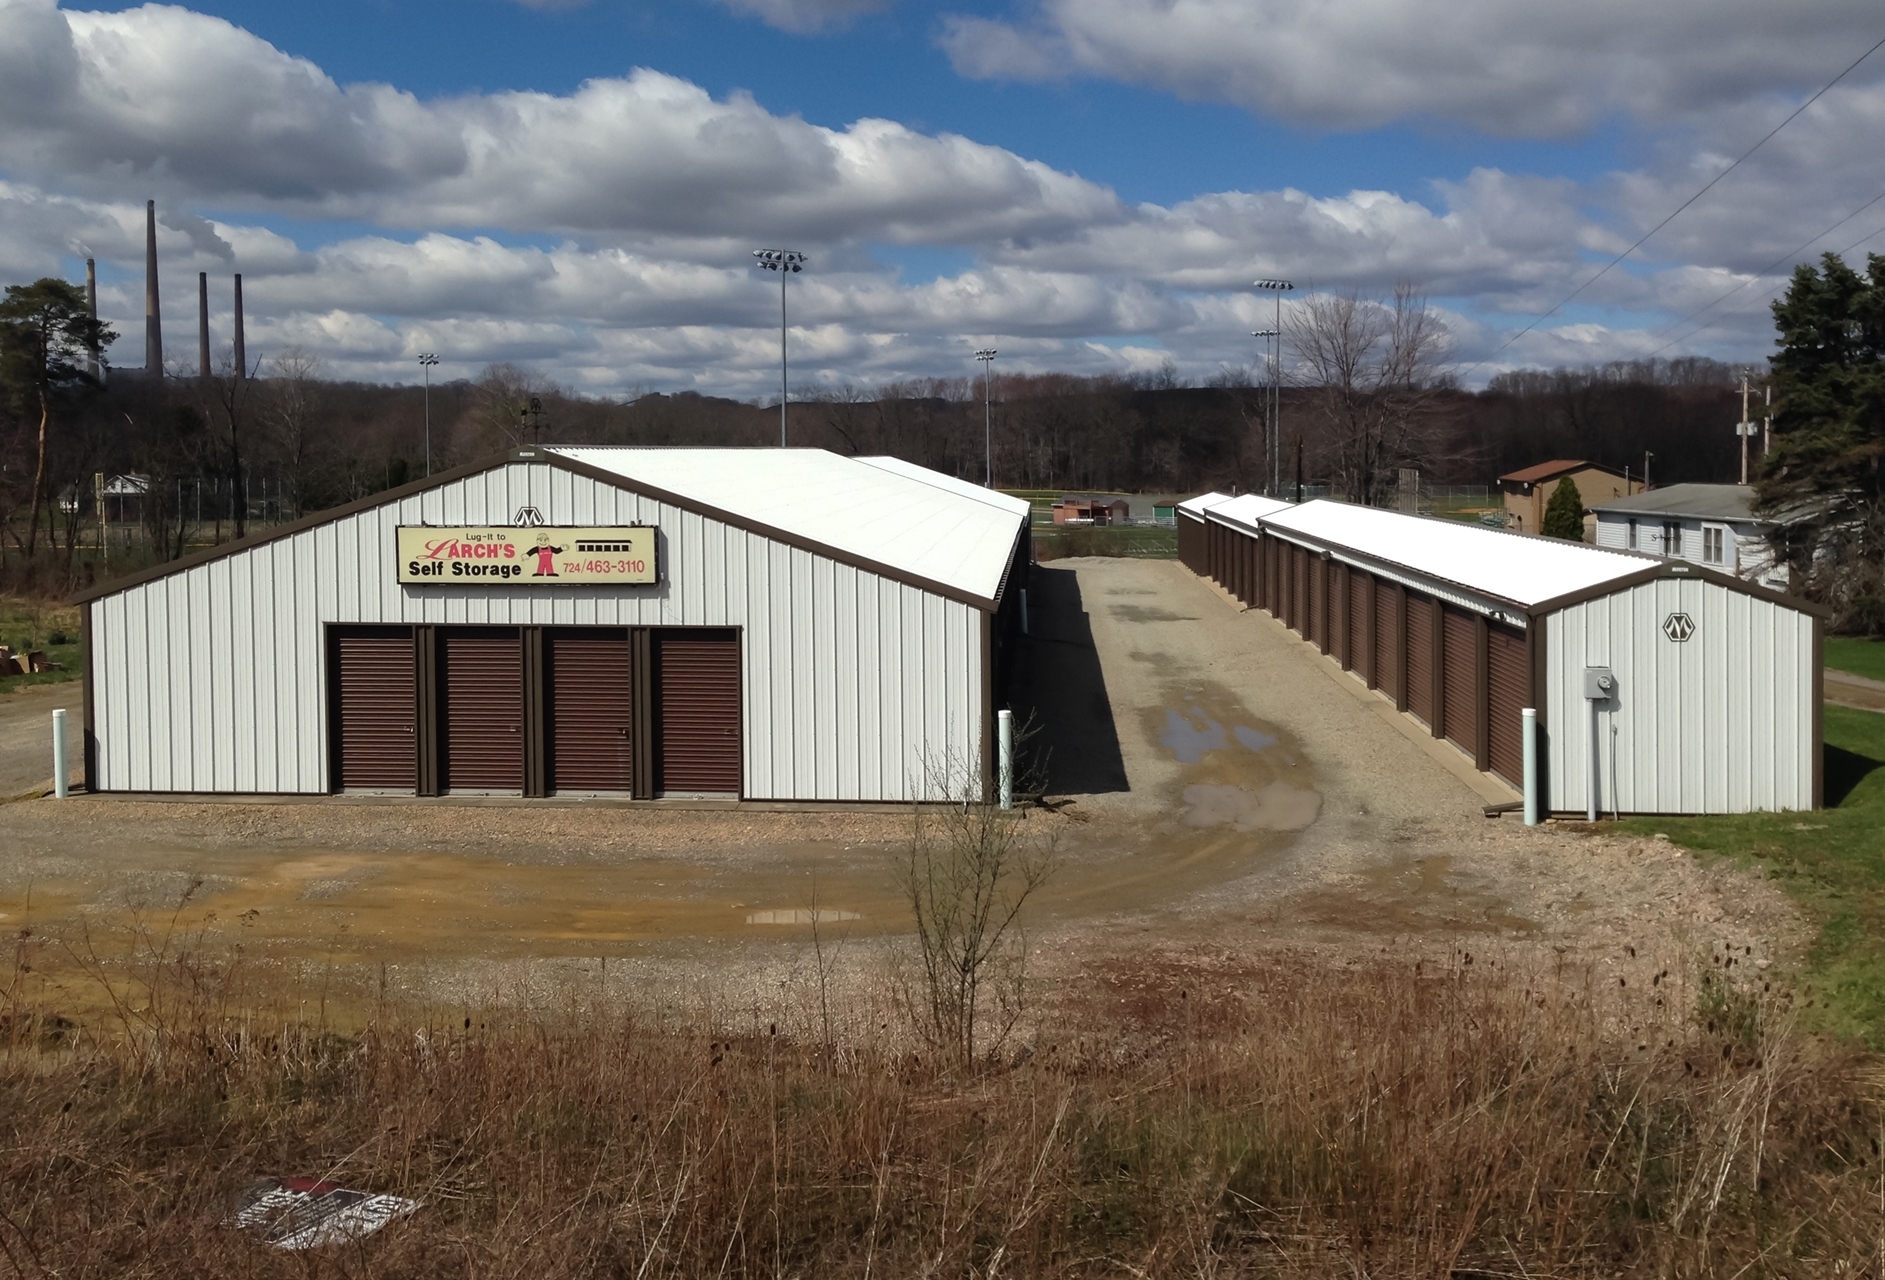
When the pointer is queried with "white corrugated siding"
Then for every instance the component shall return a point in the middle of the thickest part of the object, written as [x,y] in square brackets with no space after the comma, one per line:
[1720,724]
[857,687]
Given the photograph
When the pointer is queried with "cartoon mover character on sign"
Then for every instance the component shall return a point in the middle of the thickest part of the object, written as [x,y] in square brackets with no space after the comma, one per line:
[546,554]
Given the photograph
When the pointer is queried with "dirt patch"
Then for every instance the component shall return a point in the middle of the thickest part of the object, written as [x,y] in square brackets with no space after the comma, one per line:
[1247,799]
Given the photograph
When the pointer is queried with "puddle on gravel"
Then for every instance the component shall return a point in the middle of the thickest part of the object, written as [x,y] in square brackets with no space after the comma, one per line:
[1243,774]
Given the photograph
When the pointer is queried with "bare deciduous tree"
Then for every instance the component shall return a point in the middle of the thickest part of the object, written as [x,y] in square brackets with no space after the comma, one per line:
[966,872]
[1375,372]
[291,410]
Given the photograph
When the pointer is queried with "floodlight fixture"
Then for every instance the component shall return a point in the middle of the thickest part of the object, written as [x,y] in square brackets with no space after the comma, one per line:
[786,262]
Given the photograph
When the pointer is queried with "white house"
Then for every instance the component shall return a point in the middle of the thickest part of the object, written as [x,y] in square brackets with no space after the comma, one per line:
[1706,524]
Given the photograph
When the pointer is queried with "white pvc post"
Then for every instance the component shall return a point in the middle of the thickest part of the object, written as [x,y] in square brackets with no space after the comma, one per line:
[1004,725]
[1024,612]
[61,785]
[1594,769]
[1528,719]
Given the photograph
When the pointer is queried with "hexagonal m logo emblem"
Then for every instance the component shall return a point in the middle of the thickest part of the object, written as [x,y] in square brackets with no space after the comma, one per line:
[1678,627]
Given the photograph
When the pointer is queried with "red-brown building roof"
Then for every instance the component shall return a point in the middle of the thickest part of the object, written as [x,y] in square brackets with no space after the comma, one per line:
[1546,470]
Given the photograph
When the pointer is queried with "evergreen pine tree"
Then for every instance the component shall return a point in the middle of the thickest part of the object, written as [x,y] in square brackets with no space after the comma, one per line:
[1823,477]
[1564,514]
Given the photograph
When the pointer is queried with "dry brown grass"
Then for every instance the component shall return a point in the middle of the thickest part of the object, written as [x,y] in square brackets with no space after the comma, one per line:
[1398,1119]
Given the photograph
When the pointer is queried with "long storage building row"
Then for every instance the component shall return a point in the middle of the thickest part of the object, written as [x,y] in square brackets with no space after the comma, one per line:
[1659,686]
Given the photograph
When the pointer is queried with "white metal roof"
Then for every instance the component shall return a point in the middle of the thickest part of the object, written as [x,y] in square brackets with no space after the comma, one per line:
[967,488]
[1198,505]
[926,527]
[1491,562]
[1247,509]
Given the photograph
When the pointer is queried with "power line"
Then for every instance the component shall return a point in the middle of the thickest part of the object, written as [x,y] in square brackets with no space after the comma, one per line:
[1790,256]
[1706,188]
[1769,295]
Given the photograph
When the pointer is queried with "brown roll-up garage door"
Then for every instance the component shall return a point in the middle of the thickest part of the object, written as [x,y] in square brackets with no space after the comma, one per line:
[1318,629]
[591,704]
[1190,534]
[482,688]
[1460,677]
[1508,678]
[1420,656]
[1299,591]
[1387,637]
[1359,617]
[697,678]
[376,744]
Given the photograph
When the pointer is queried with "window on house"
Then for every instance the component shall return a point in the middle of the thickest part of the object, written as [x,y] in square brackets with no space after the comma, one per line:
[1672,539]
[1711,546]
[1629,535]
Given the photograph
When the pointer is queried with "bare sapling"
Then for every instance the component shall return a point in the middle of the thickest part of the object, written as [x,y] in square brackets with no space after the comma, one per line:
[967,871]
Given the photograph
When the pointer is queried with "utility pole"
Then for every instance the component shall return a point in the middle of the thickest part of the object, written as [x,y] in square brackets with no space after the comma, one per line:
[1647,455]
[1767,428]
[426,361]
[987,356]
[1745,427]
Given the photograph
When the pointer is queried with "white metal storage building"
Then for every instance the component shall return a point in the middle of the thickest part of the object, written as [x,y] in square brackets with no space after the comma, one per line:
[1714,700]
[772,624]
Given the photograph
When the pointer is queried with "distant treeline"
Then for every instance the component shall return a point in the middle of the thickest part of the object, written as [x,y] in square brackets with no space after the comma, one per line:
[322,442]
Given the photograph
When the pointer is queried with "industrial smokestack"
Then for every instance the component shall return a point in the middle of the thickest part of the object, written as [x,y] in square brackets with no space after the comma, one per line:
[202,324]
[91,308]
[242,350]
[153,321]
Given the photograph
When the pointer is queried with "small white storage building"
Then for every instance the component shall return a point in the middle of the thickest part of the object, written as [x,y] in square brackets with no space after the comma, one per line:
[1713,700]
[770,624]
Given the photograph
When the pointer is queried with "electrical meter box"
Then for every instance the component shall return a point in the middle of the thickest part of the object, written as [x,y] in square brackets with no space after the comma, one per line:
[1599,684]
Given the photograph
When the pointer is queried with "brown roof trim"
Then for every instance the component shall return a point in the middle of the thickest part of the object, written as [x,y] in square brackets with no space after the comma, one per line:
[545,457]
[311,521]
[1685,570]
[1556,467]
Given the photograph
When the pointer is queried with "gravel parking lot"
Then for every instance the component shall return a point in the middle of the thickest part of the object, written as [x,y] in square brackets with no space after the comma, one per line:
[1218,787]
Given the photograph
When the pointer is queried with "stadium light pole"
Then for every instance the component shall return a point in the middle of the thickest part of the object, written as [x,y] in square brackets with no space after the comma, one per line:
[785,262]
[426,362]
[987,356]
[1269,428]
[1279,288]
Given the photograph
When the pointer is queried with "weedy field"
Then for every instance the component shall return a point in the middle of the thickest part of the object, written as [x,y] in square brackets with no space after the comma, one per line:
[1459,1116]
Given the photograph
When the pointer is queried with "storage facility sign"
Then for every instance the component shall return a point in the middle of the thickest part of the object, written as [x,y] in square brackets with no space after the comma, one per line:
[543,555]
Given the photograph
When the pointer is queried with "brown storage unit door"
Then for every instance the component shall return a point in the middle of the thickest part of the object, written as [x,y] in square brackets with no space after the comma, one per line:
[1299,591]
[376,744]
[1387,665]
[1460,715]
[1318,631]
[1357,648]
[1508,674]
[697,675]
[482,687]
[591,710]
[1420,656]
[1190,534]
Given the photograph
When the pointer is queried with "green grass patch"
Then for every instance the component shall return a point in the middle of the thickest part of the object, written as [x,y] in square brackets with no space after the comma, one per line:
[27,625]
[1832,862]
[1859,655]
[1153,542]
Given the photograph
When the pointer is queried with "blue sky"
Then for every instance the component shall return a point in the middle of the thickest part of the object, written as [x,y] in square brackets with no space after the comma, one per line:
[1088,184]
